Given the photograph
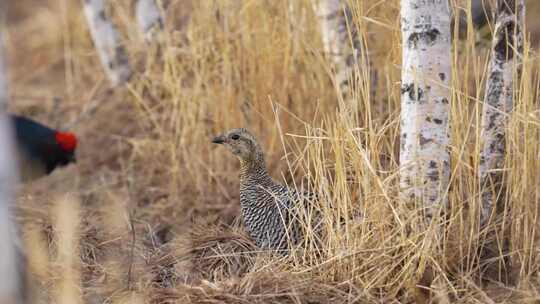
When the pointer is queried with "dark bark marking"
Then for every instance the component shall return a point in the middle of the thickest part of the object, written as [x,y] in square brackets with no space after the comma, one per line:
[423,140]
[420,3]
[493,120]
[504,47]
[434,120]
[160,23]
[408,181]
[428,37]
[482,159]
[121,54]
[433,175]
[102,16]
[350,60]
[443,101]
[402,141]
[442,76]
[494,87]
[416,94]
[496,147]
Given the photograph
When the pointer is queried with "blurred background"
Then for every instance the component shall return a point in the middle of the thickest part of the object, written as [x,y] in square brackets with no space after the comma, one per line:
[150,211]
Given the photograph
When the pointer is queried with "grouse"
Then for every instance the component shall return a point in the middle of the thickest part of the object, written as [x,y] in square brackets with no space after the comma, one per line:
[269,209]
[41,149]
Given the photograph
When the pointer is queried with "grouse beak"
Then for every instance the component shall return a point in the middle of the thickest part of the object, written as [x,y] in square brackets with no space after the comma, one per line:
[219,140]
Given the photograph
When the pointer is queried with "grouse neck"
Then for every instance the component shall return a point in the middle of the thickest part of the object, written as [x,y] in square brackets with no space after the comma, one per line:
[254,171]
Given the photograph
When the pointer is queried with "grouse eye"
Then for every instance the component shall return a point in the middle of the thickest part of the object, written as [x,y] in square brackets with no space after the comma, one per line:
[235,137]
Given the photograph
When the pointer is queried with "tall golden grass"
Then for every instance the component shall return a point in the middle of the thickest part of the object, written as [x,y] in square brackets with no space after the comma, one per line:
[158,219]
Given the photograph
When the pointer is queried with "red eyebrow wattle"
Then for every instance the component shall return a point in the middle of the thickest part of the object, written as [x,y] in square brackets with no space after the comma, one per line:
[68,141]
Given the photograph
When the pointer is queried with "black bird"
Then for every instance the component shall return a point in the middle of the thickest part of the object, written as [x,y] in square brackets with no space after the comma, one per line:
[41,149]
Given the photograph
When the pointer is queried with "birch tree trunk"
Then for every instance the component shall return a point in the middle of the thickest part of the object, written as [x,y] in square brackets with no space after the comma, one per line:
[148,18]
[504,69]
[424,156]
[107,41]
[341,40]
[11,266]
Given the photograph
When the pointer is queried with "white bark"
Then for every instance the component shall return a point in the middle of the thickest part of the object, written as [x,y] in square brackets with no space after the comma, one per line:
[424,156]
[12,274]
[341,40]
[107,41]
[148,18]
[505,64]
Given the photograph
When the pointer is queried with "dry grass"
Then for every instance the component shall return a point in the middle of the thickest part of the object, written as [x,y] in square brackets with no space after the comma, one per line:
[150,213]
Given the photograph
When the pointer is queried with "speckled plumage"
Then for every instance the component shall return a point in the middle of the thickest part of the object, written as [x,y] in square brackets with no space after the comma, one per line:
[269,209]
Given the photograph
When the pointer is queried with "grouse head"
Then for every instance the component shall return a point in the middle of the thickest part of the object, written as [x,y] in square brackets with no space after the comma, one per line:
[242,144]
